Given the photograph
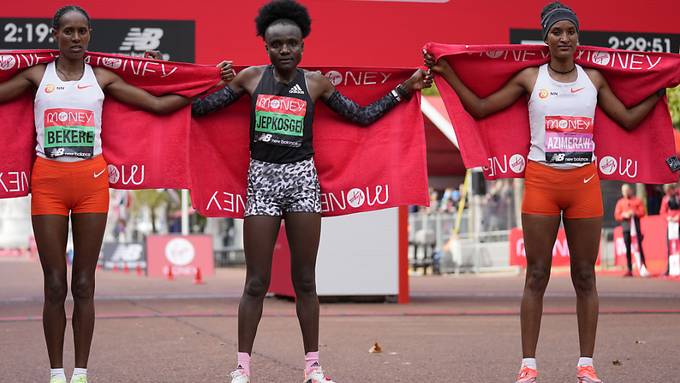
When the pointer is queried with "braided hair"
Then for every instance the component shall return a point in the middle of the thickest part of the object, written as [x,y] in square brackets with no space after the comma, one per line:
[283,11]
[64,10]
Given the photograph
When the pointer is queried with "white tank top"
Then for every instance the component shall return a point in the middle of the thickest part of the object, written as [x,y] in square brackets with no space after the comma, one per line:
[561,117]
[68,116]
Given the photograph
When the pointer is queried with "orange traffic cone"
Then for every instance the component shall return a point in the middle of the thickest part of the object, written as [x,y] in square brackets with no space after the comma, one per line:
[168,274]
[126,269]
[198,278]
[114,268]
[139,270]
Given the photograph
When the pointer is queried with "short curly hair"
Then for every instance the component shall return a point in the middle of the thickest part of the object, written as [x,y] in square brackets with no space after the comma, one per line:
[283,10]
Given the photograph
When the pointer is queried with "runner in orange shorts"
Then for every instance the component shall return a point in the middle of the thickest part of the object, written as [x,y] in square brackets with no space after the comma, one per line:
[70,177]
[561,181]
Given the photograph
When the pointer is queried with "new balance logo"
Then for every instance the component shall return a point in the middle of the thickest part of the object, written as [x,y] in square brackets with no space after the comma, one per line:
[296,89]
[138,40]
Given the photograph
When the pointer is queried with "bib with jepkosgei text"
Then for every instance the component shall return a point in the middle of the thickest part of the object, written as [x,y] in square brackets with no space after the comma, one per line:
[280,120]
[569,139]
[69,132]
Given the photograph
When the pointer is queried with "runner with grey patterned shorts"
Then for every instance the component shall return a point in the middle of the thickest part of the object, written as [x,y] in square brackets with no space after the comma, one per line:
[276,189]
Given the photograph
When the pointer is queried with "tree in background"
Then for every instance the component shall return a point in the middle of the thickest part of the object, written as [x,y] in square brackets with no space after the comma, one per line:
[674,105]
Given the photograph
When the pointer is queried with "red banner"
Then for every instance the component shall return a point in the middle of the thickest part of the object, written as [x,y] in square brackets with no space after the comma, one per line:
[178,255]
[560,252]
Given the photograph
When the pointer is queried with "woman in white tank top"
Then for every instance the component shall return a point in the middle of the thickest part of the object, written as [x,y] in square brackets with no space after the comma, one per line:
[560,181]
[69,176]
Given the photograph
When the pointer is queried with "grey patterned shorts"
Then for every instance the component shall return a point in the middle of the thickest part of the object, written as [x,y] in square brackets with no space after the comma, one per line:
[275,189]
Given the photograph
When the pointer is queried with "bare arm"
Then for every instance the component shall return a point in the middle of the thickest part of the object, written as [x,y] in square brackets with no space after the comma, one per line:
[478,107]
[21,82]
[628,118]
[365,115]
[112,84]
[244,82]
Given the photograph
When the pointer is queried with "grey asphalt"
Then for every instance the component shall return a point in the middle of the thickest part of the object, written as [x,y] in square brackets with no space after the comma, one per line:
[456,329]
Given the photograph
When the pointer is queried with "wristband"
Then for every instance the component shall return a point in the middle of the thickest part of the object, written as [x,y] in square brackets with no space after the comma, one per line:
[403,92]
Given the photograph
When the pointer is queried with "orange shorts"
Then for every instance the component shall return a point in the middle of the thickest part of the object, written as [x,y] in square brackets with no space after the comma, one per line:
[63,187]
[550,191]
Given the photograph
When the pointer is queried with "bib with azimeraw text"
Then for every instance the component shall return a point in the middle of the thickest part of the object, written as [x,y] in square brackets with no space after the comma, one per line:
[569,139]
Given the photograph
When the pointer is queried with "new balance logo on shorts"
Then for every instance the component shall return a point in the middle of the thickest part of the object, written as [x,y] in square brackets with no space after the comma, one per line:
[296,89]
[138,40]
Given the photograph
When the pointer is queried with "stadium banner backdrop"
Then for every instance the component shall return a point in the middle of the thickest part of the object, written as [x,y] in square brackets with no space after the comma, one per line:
[181,255]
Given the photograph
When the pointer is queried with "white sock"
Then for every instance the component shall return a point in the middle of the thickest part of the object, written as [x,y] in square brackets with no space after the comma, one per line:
[529,362]
[57,373]
[79,372]
[582,362]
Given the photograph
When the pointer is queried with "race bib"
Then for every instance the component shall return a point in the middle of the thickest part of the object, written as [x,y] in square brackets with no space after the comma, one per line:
[69,132]
[569,140]
[280,120]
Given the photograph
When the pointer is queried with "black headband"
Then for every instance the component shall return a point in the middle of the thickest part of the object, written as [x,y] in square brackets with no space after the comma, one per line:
[557,14]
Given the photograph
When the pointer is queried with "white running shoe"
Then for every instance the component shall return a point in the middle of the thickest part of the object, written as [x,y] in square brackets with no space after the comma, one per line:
[57,379]
[317,376]
[239,376]
[643,271]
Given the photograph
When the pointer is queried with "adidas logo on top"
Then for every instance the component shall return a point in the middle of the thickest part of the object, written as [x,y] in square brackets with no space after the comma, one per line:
[296,89]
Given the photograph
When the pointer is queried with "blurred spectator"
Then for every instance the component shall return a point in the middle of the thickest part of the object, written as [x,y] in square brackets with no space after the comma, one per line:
[670,208]
[629,209]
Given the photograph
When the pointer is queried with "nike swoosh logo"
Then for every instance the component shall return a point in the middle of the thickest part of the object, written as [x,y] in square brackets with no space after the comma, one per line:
[83,86]
[576,90]
[586,180]
[96,175]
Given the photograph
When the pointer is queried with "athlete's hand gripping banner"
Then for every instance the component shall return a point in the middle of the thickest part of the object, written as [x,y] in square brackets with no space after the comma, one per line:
[360,168]
[500,143]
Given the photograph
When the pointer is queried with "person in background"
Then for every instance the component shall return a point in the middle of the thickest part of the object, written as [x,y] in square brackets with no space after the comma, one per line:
[629,209]
[670,208]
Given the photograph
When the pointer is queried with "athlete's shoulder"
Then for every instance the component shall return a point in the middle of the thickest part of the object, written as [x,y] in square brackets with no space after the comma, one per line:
[253,71]
[595,76]
[35,73]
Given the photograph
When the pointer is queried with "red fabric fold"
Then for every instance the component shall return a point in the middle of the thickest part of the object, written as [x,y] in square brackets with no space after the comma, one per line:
[500,143]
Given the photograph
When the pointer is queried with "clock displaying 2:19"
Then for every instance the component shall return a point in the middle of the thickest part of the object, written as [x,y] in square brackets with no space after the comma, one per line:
[27,33]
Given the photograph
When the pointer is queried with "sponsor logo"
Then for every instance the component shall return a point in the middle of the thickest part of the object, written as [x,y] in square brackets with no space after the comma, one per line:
[49,88]
[569,124]
[608,165]
[517,163]
[58,152]
[356,198]
[559,157]
[112,62]
[296,89]
[7,62]
[357,78]
[577,90]
[586,180]
[543,94]
[180,252]
[126,174]
[138,40]
[114,174]
[79,86]
[96,175]
[334,77]
[14,181]
[601,58]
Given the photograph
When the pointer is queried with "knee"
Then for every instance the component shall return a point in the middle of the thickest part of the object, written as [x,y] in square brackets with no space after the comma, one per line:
[55,289]
[82,288]
[304,284]
[256,287]
[537,279]
[583,279]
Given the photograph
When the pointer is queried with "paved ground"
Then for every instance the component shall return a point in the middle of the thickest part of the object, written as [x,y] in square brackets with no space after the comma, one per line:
[457,329]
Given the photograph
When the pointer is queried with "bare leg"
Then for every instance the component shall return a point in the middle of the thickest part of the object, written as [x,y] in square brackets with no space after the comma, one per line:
[303,231]
[540,233]
[259,234]
[88,231]
[51,235]
[583,236]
